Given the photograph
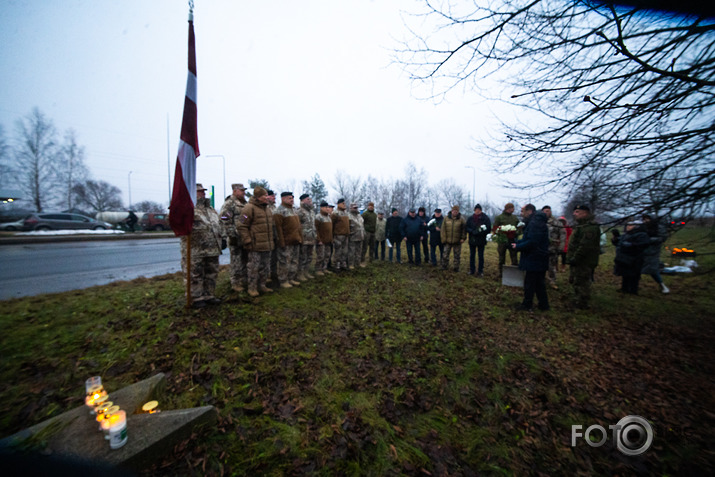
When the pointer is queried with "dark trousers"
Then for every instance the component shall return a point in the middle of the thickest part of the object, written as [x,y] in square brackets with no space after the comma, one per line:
[433,253]
[630,284]
[473,249]
[534,284]
[396,245]
[381,245]
[425,246]
[416,245]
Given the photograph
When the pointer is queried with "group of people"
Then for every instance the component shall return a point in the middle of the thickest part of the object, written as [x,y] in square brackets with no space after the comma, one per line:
[287,244]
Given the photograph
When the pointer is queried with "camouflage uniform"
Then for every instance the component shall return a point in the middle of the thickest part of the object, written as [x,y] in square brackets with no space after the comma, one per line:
[307,224]
[324,230]
[230,212]
[341,231]
[370,224]
[256,231]
[584,250]
[206,238]
[505,219]
[357,237]
[289,240]
[557,242]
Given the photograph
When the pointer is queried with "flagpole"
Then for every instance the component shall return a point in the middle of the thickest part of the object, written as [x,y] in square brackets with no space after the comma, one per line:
[188,237]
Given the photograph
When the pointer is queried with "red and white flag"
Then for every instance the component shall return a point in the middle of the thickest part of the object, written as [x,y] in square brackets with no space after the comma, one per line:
[183,195]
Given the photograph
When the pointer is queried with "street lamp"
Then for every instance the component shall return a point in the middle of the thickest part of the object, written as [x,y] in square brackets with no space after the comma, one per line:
[224,171]
[474,184]
[129,180]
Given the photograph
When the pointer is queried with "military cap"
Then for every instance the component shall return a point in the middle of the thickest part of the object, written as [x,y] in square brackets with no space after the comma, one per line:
[582,207]
[286,194]
[509,205]
[340,201]
[371,204]
[324,204]
[437,210]
[237,186]
[270,192]
[200,187]
[304,196]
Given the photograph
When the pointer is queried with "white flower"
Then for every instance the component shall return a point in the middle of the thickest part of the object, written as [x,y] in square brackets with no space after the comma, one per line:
[483,227]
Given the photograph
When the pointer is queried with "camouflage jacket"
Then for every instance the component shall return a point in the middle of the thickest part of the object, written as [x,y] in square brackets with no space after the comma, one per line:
[306,214]
[357,227]
[230,213]
[207,234]
[585,244]
[287,226]
[557,235]
[380,229]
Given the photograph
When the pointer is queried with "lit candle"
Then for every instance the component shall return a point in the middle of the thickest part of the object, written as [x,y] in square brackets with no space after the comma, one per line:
[151,407]
[118,429]
[92,382]
[95,393]
[107,418]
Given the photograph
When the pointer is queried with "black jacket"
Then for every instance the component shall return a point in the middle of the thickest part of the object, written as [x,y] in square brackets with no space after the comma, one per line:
[474,224]
[413,228]
[629,252]
[534,245]
[392,228]
[435,236]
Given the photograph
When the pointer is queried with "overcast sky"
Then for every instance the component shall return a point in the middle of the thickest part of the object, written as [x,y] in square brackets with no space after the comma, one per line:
[286,89]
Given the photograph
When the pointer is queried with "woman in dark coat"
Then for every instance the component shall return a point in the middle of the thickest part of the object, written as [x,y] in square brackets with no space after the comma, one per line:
[629,255]
[534,248]
[651,255]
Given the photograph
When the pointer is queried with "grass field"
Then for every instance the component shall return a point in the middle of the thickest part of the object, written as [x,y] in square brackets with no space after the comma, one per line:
[388,370]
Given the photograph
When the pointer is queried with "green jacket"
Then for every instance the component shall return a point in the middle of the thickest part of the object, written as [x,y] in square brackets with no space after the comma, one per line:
[504,219]
[454,229]
[585,244]
[369,218]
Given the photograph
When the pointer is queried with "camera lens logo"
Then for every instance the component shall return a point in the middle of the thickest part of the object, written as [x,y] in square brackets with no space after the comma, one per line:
[633,435]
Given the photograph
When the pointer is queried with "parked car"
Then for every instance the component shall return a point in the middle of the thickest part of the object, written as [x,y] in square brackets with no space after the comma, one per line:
[61,221]
[153,221]
[13,226]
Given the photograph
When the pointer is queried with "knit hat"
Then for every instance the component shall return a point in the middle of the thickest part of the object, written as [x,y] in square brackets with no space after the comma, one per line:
[455,207]
[478,207]
[259,192]
[371,204]
[393,210]
[436,211]
[509,205]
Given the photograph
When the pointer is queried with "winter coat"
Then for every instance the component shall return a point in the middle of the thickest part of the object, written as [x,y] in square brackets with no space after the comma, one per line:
[287,226]
[412,228]
[230,213]
[341,222]
[534,245]
[357,227]
[435,236]
[207,233]
[651,255]
[454,229]
[306,214]
[584,246]
[380,230]
[505,219]
[324,228]
[629,252]
[477,235]
[369,220]
[393,228]
[255,227]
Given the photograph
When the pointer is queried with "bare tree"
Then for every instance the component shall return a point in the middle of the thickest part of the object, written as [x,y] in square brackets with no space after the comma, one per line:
[36,155]
[7,171]
[149,206]
[450,194]
[622,91]
[348,187]
[71,169]
[100,196]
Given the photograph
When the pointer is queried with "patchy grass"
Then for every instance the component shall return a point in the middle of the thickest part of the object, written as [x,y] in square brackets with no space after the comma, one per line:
[390,369]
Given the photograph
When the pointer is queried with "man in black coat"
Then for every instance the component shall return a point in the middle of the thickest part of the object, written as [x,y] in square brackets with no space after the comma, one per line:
[534,248]
[435,237]
[478,226]
[392,231]
[413,229]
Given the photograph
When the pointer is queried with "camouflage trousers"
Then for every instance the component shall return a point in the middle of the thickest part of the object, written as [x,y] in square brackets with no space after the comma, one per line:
[368,244]
[456,249]
[288,262]
[553,266]
[580,278]
[501,250]
[239,259]
[340,252]
[204,271]
[306,256]
[355,253]
[322,255]
[258,268]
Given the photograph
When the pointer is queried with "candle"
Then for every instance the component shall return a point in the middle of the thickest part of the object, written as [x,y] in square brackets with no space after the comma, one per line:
[108,418]
[96,392]
[118,430]
[92,382]
[151,407]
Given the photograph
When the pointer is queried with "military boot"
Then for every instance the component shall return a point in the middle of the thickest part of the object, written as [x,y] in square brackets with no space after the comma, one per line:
[265,289]
[286,285]
[295,283]
[252,292]
[309,276]
[237,288]
[301,277]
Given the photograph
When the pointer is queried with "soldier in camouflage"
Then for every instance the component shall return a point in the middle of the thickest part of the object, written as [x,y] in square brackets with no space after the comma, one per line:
[255,227]
[369,218]
[306,214]
[584,250]
[341,231]
[207,241]
[290,237]
[230,212]
[507,217]
[557,242]
[357,237]
[324,239]
[274,254]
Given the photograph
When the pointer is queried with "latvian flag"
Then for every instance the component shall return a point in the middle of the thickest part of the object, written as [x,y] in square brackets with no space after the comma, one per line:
[183,196]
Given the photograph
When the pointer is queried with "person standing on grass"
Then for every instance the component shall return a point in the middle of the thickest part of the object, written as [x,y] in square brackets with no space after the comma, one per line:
[534,248]
[422,215]
[453,235]
[584,248]
[324,239]
[478,227]
[564,250]
[306,214]
[341,233]
[255,227]
[369,218]
[380,236]
[411,228]
[357,237]
[393,234]
[557,242]
[507,217]
[651,256]
[435,237]
[629,255]
[230,213]
[290,237]
[207,241]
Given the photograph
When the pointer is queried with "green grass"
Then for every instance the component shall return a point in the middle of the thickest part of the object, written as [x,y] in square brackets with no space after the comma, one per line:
[387,370]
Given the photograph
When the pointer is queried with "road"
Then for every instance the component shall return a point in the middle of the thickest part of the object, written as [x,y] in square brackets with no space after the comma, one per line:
[33,269]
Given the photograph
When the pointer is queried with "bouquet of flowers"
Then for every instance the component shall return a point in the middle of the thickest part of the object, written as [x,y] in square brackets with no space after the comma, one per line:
[505,234]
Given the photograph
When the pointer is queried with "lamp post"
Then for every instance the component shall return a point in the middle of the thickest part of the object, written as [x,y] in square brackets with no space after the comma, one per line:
[129,180]
[224,171]
[474,184]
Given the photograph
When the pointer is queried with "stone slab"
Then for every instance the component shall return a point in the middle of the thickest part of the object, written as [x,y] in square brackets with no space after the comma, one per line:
[512,276]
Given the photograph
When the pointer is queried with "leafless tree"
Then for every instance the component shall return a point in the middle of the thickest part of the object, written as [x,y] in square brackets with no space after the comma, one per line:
[449,194]
[7,171]
[149,206]
[100,196]
[71,169]
[36,155]
[622,91]
[348,187]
